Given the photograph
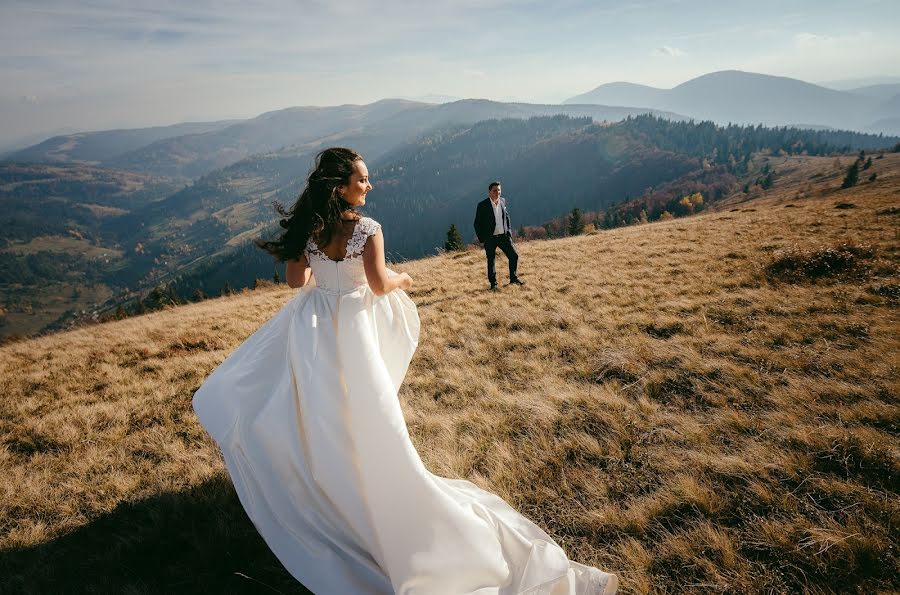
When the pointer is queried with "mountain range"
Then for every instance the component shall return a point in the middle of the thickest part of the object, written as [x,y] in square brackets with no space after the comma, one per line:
[110,214]
[733,96]
[97,147]
[194,150]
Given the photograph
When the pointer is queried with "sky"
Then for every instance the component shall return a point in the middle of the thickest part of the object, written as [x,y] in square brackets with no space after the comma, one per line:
[93,65]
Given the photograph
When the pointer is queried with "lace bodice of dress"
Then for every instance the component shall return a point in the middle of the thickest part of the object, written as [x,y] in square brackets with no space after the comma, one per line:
[346,274]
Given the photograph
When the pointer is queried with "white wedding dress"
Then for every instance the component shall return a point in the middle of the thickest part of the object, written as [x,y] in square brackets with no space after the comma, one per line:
[307,417]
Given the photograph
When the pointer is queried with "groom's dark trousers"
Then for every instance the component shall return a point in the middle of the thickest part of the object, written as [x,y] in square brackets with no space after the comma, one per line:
[503,242]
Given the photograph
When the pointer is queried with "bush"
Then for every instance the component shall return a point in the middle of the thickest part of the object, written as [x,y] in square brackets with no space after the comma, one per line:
[798,264]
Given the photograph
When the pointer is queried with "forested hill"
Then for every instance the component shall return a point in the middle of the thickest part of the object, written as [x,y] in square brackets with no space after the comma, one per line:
[549,166]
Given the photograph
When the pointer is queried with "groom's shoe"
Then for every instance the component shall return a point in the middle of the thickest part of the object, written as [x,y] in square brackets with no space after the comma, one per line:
[516,281]
[494,287]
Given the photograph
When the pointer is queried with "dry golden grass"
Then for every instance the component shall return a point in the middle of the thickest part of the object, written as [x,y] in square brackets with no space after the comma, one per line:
[650,398]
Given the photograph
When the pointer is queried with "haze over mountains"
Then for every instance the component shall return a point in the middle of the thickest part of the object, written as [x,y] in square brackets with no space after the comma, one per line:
[750,98]
[372,129]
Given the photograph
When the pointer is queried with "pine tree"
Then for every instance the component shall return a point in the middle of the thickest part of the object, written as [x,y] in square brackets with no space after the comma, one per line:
[155,297]
[867,164]
[576,222]
[852,176]
[454,241]
[276,278]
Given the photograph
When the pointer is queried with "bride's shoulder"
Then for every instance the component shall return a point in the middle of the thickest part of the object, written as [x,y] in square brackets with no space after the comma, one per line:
[368,226]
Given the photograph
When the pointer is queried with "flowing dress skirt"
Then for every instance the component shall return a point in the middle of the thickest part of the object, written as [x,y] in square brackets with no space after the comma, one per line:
[306,414]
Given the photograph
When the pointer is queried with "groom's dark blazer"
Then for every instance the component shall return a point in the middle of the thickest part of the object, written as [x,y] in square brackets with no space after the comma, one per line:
[484,220]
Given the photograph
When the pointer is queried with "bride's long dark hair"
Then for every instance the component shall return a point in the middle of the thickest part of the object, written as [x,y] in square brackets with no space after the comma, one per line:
[317,212]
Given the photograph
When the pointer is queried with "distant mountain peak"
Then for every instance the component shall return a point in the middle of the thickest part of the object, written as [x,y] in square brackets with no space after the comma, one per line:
[754,98]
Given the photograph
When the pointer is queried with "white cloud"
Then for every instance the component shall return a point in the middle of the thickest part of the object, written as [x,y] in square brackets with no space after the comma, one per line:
[668,51]
[818,41]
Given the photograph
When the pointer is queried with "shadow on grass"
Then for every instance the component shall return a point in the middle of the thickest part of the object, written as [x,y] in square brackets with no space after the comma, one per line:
[195,541]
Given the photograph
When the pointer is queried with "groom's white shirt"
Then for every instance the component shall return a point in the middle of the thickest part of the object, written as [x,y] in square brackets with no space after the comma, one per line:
[498,216]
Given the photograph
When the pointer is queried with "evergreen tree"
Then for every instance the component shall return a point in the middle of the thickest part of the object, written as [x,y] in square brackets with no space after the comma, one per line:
[276,278]
[454,241]
[867,164]
[608,221]
[576,222]
[852,176]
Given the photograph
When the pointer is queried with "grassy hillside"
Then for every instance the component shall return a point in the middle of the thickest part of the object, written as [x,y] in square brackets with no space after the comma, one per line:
[699,405]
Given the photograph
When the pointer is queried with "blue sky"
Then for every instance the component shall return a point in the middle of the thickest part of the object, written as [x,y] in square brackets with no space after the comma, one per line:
[104,64]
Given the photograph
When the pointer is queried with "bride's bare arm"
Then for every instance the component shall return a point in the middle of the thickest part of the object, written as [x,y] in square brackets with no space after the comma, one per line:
[298,272]
[376,272]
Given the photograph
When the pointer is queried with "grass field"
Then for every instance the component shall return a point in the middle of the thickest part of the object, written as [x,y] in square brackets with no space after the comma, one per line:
[696,405]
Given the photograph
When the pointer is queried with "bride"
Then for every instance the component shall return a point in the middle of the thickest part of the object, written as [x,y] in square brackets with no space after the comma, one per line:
[306,414]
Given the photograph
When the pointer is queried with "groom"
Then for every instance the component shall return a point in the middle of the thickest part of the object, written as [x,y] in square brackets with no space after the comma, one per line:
[494,231]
